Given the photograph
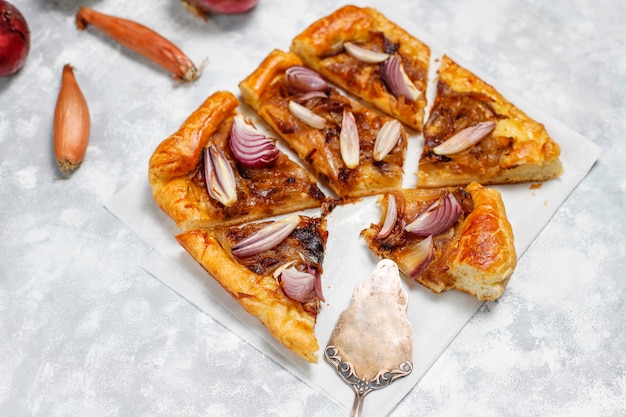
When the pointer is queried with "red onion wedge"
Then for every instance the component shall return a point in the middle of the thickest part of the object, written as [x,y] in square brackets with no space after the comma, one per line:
[349,140]
[387,138]
[219,176]
[390,217]
[14,39]
[364,55]
[297,285]
[437,218]
[465,139]
[249,146]
[418,258]
[306,116]
[398,81]
[266,237]
[302,79]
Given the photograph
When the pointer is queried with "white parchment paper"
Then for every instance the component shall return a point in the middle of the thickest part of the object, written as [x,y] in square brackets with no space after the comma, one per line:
[436,319]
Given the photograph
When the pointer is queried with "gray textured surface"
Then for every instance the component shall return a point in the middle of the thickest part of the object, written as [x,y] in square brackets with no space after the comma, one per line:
[85,331]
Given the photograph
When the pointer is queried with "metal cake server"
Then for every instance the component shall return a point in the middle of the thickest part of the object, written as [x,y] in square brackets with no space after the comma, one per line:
[372,343]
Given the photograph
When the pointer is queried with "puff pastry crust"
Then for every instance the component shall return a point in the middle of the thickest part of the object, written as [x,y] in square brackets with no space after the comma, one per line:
[320,46]
[252,284]
[476,255]
[177,179]
[518,150]
[266,92]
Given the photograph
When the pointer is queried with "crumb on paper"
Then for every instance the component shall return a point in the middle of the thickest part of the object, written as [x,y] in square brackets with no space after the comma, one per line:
[535,186]
[545,202]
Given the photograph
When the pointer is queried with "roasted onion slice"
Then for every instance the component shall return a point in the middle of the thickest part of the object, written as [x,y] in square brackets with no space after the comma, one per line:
[297,285]
[363,54]
[387,138]
[251,147]
[390,217]
[349,145]
[437,218]
[301,79]
[306,116]
[219,176]
[465,139]
[266,238]
[418,257]
[398,81]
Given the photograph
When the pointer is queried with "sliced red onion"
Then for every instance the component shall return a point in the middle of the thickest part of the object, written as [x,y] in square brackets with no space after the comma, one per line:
[398,81]
[266,237]
[307,116]
[364,55]
[437,218]
[349,140]
[418,257]
[390,217]
[465,139]
[318,284]
[297,285]
[386,140]
[250,146]
[302,79]
[309,95]
[219,176]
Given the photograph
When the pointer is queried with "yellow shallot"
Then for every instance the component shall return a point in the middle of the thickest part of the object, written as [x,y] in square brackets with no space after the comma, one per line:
[71,124]
[142,40]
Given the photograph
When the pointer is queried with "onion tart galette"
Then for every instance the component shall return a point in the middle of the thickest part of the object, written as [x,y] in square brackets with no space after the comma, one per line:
[474,134]
[447,238]
[352,149]
[219,169]
[273,269]
[367,55]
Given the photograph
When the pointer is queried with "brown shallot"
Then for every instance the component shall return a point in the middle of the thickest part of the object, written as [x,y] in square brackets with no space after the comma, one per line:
[142,40]
[71,124]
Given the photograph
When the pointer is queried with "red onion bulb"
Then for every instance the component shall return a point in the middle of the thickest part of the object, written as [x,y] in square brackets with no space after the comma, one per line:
[202,7]
[14,39]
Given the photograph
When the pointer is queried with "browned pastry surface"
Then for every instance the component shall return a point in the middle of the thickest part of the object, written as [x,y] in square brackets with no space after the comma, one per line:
[266,92]
[518,150]
[320,46]
[176,174]
[476,255]
[251,283]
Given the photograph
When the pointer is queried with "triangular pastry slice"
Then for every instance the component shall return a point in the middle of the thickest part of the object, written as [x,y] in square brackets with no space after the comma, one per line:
[372,58]
[352,149]
[473,133]
[279,285]
[230,192]
[447,238]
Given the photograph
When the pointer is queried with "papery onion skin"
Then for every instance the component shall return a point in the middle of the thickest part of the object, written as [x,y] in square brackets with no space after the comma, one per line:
[142,40]
[437,218]
[249,146]
[266,238]
[297,285]
[72,124]
[398,81]
[14,39]
[301,79]
[203,7]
